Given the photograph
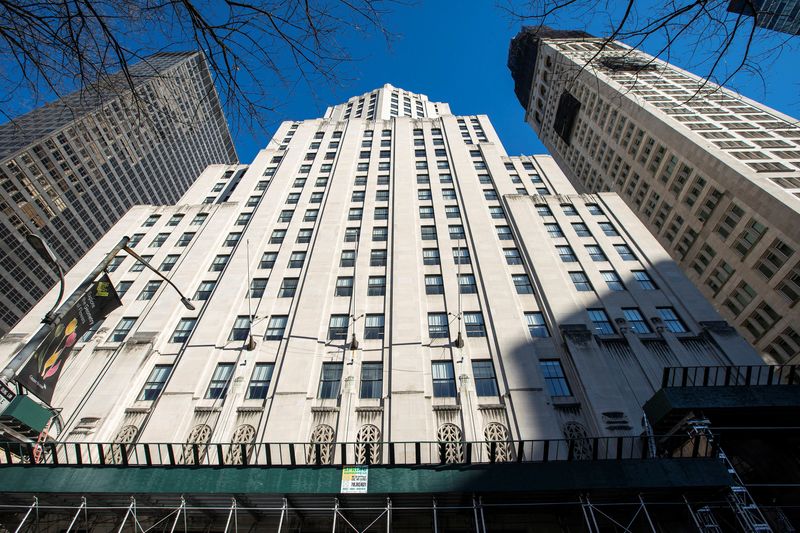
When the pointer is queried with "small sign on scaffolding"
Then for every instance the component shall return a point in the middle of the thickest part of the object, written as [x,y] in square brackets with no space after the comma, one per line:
[355,479]
[6,395]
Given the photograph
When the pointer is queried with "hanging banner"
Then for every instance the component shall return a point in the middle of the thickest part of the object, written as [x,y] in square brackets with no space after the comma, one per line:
[40,374]
[355,479]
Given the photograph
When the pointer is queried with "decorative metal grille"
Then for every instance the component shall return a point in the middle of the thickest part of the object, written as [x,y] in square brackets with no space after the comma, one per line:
[244,434]
[321,439]
[126,435]
[451,449]
[367,449]
[497,446]
[582,448]
[200,434]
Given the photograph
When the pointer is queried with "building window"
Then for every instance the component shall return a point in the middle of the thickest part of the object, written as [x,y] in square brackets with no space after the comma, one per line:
[138,266]
[244,218]
[434,284]
[594,209]
[337,327]
[452,211]
[380,234]
[428,233]
[566,254]
[276,327]
[185,239]
[466,284]
[437,326]
[134,240]
[344,286]
[644,280]
[485,381]
[122,287]
[490,194]
[373,327]
[231,239]
[371,380]
[115,263]
[158,240]
[625,252]
[671,320]
[277,236]
[613,280]
[636,320]
[303,236]
[257,287]
[183,330]
[425,212]
[330,381]
[497,212]
[522,283]
[456,232]
[381,213]
[288,288]
[351,234]
[581,229]
[199,219]
[155,383]
[381,196]
[268,260]
[149,290]
[316,198]
[218,264]
[376,286]
[286,215]
[151,221]
[553,230]
[297,259]
[536,325]
[220,380]
[581,281]
[168,263]
[204,290]
[348,258]
[291,199]
[473,324]
[512,256]
[123,328]
[596,253]
[444,379]
[554,378]
[430,256]
[544,211]
[504,233]
[601,322]
[461,256]
[241,329]
[377,258]
[259,381]
[608,229]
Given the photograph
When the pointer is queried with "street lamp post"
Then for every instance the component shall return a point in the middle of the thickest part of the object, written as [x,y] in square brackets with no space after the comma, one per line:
[184,300]
[41,248]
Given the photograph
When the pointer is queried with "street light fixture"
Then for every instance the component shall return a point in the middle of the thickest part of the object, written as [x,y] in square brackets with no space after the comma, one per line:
[184,300]
[41,248]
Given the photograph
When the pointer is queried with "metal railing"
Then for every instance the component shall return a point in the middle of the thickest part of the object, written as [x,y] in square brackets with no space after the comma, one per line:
[727,376]
[337,453]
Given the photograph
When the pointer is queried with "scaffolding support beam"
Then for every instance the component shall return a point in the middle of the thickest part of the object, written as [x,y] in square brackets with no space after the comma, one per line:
[435,518]
[283,514]
[34,505]
[231,516]
[77,514]
[388,515]
[646,514]
[131,507]
[181,510]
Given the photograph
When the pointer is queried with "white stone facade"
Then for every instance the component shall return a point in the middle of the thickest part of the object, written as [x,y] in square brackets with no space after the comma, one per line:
[364,218]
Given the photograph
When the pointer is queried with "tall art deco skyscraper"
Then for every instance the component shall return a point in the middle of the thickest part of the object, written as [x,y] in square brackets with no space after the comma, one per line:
[71,169]
[384,287]
[713,175]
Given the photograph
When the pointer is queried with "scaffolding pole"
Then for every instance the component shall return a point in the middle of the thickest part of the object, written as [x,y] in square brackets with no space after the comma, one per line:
[335,513]
[231,515]
[388,516]
[283,514]
[33,506]
[181,510]
[435,518]
[77,514]
[131,507]
[646,514]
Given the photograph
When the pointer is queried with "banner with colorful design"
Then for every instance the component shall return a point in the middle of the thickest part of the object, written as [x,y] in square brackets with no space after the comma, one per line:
[40,375]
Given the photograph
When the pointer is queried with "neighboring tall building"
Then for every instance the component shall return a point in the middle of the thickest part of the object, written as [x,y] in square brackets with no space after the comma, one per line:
[70,169]
[713,175]
[420,303]
[778,15]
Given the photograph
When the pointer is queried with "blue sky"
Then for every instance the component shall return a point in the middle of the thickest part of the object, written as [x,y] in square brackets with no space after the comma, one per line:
[456,53]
